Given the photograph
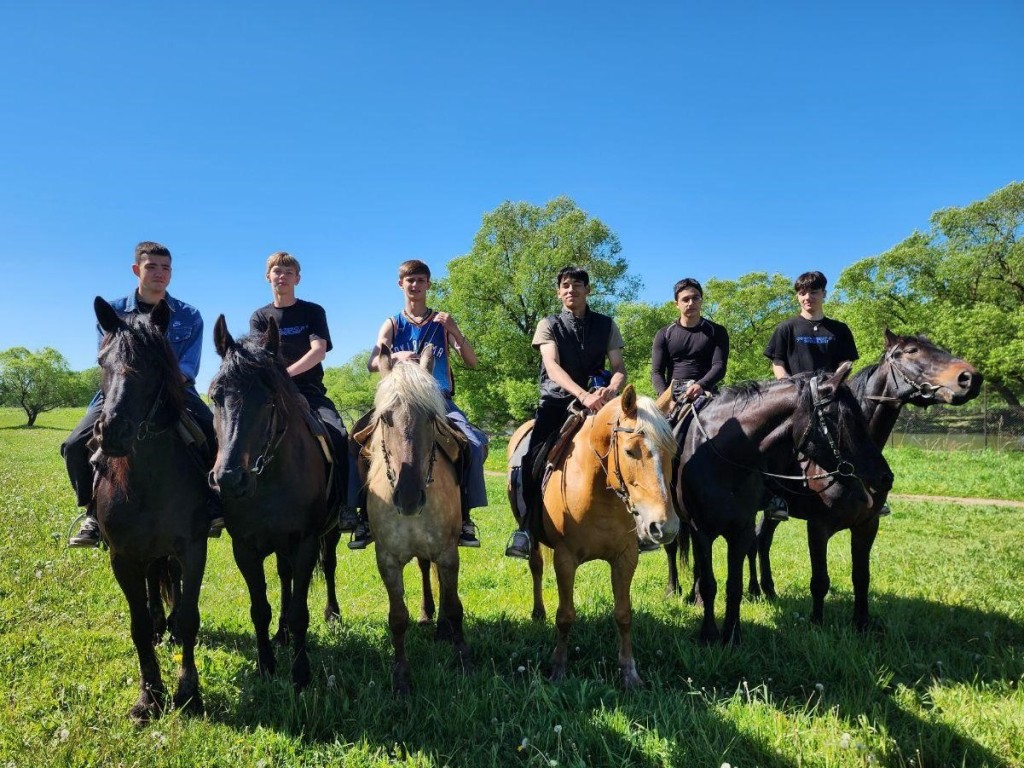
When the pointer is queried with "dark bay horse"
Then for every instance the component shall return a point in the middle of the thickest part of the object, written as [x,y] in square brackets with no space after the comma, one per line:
[725,456]
[413,502]
[613,487]
[911,370]
[271,473]
[150,496]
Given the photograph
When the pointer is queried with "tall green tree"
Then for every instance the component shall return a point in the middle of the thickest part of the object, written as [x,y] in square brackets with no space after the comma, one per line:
[962,283]
[639,322]
[506,283]
[351,386]
[36,382]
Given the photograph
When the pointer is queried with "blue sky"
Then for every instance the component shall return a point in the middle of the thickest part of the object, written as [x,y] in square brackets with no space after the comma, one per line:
[714,138]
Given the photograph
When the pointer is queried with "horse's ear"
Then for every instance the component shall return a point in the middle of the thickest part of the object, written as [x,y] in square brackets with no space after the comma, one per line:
[272,337]
[384,360]
[106,316]
[160,316]
[891,339]
[629,401]
[664,402]
[427,358]
[222,339]
[836,379]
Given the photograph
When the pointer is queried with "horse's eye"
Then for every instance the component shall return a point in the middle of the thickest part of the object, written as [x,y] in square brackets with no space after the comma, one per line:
[633,452]
[911,350]
[386,418]
[218,398]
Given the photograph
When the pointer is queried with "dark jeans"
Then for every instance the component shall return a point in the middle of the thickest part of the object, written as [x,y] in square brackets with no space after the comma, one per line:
[339,442]
[551,414]
[76,452]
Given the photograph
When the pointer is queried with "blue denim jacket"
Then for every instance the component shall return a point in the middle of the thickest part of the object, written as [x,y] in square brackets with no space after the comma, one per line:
[185,333]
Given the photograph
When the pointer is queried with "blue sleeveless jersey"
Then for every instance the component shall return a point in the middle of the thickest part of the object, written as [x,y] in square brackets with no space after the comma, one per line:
[409,337]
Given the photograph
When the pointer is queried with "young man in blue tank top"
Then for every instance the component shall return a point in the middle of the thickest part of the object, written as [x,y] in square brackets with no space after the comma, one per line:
[406,334]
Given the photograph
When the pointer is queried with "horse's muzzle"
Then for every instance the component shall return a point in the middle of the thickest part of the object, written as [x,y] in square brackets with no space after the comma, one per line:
[663,533]
[233,483]
[114,437]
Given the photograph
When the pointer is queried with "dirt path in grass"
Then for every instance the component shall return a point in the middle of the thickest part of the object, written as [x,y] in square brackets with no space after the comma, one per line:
[907,497]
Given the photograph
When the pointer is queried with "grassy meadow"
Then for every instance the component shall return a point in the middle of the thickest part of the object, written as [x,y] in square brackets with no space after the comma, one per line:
[938,684]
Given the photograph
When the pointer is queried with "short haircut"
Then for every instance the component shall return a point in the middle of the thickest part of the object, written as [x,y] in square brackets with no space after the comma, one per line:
[573,273]
[810,281]
[413,267]
[283,259]
[149,248]
[682,285]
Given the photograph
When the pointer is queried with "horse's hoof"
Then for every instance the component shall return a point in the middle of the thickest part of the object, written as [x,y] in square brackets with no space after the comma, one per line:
[301,674]
[425,620]
[189,703]
[673,592]
[557,673]
[266,666]
[871,626]
[632,682]
[539,614]
[332,613]
[282,637]
[400,680]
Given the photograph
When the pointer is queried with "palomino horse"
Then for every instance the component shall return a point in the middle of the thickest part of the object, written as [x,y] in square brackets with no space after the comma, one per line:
[150,496]
[413,501]
[724,458]
[911,370]
[612,487]
[272,476]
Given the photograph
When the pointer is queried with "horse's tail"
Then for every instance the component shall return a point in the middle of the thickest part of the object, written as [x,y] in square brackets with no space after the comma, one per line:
[683,542]
[168,571]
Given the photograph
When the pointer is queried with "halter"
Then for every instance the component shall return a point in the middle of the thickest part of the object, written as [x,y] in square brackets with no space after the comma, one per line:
[147,427]
[389,470]
[274,439]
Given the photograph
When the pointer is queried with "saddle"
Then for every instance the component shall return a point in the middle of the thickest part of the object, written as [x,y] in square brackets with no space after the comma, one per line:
[447,437]
[336,495]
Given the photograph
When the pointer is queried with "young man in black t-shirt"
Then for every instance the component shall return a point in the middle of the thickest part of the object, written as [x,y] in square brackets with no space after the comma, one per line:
[305,342]
[690,354]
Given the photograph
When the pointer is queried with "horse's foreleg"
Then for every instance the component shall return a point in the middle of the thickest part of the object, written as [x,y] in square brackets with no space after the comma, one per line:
[187,696]
[172,599]
[304,556]
[398,618]
[817,545]
[427,607]
[449,622]
[765,537]
[156,601]
[285,577]
[707,586]
[862,539]
[131,576]
[329,565]
[565,616]
[622,577]
[739,543]
[537,576]
[671,551]
[250,564]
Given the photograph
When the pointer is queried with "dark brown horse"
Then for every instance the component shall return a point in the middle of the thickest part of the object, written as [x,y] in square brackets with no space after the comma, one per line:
[413,503]
[272,476]
[726,454]
[150,497]
[911,370]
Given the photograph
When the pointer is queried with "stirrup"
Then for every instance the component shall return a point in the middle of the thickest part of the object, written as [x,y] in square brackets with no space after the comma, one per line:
[519,545]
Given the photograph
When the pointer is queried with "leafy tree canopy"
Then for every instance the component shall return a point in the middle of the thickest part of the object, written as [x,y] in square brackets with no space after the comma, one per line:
[37,382]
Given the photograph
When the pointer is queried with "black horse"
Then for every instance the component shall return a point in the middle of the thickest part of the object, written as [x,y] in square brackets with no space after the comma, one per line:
[272,475]
[150,497]
[725,454]
[911,370]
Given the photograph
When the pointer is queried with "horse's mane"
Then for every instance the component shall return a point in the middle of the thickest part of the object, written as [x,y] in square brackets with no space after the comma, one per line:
[408,384]
[651,423]
[247,359]
[141,346]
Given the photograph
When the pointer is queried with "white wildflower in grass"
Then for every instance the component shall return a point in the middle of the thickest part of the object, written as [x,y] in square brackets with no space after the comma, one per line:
[845,740]
[331,681]
[64,733]
[819,687]
[658,652]
[371,684]
[558,729]
[520,669]
[726,765]
[523,744]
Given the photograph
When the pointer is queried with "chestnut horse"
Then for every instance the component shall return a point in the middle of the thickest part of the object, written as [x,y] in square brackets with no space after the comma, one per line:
[612,488]
[150,497]
[413,501]
[911,370]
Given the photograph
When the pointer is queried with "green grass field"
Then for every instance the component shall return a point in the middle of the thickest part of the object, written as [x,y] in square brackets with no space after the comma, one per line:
[939,684]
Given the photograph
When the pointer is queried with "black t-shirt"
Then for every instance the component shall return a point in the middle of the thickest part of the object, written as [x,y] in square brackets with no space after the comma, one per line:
[699,354]
[297,323]
[806,346]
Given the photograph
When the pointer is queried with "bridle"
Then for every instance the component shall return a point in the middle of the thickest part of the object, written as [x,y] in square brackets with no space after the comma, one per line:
[147,427]
[621,489]
[275,434]
[386,454]
[923,389]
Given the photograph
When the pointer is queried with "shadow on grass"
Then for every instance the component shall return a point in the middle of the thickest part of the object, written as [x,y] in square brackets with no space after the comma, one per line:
[34,427]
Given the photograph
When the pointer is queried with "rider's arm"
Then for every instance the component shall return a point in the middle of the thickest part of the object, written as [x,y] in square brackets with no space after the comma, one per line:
[385,338]
[457,340]
[317,352]
[558,374]
[779,370]
[618,365]
[659,362]
[719,360]
[192,352]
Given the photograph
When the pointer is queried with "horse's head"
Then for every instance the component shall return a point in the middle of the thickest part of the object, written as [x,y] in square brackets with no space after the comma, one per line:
[925,373]
[140,377]
[829,428]
[249,414]
[634,442]
[407,403]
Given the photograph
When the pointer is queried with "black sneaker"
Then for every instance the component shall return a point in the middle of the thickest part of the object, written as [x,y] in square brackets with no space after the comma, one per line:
[88,534]
[348,518]
[884,510]
[361,536]
[216,528]
[647,545]
[519,546]
[468,536]
[777,509]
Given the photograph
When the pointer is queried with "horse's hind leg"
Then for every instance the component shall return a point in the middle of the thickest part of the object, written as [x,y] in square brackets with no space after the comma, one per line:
[565,616]
[250,564]
[304,557]
[671,550]
[329,565]
[862,538]
[537,573]
[707,586]
[427,607]
[449,622]
[284,575]
[155,600]
[765,537]
[817,543]
[622,577]
[131,576]
[739,543]
[187,697]
[398,618]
